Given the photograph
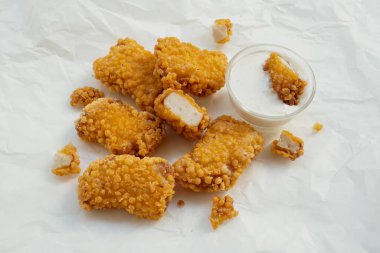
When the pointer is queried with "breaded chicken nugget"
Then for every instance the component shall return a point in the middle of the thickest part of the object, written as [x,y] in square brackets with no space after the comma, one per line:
[66,161]
[143,187]
[84,96]
[128,68]
[119,127]
[222,210]
[285,81]
[222,30]
[184,66]
[288,146]
[219,158]
[181,112]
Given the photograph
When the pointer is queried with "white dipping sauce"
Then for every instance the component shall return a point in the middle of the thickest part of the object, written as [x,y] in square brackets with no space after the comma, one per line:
[251,86]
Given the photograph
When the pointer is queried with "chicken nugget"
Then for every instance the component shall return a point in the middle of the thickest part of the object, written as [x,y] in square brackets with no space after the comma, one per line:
[143,187]
[119,127]
[221,155]
[222,30]
[66,161]
[181,112]
[128,68]
[84,96]
[184,66]
[222,210]
[285,81]
[288,146]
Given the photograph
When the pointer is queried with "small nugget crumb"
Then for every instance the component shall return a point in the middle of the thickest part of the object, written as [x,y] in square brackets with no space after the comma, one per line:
[84,96]
[66,161]
[222,210]
[222,30]
[285,82]
[317,127]
[180,203]
[288,146]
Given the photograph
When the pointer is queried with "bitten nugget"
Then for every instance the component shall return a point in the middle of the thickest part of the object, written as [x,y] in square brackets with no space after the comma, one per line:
[85,95]
[128,68]
[66,161]
[184,66]
[317,127]
[285,82]
[222,210]
[288,146]
[143,187]
[218,159]
[119,127]
[181,112]
[222,30]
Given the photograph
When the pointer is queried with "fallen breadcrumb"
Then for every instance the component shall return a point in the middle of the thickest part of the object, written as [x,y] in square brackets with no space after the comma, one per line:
[317,127]
[285,82]
[218,159]
[119,127]
[181,112]
[222,30]
[84,96]
[222,210]
[288,146]
[184,66]
[128,68]
[180,203]
[66,161]
[143,187]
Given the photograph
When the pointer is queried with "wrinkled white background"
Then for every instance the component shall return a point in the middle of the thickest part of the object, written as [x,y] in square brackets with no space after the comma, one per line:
[327,201]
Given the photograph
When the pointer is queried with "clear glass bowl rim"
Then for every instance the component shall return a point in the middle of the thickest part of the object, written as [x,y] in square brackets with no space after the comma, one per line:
[263,116]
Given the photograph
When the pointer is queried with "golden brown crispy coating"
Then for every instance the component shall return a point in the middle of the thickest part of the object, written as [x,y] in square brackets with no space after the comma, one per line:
[119,127]
[184,66]
[142,187]
[219,158]
[288,146]
[222,30]
[317,127]
[85,95]
[285,82]
[222,210]
[66,161]
[128,68]
[188,130]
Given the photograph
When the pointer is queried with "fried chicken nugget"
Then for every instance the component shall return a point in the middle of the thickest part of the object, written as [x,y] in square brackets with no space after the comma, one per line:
[288,146]
[143,187]
[66,161]
[84,96]
[128,68]
[285,81]
[184,66]
[222,210]
[219,158]
[222,30]
[119,127]
[181,112]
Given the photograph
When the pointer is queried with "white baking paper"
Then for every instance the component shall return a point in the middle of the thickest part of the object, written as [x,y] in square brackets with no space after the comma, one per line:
[326,201]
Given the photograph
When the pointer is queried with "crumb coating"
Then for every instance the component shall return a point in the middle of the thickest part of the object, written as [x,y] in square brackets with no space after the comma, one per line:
[189,132]
[143,187]
[84,96]
[285,82]
[317,127]
[222,210]
[219,157]
[286,153]
[73,168]
[120,128]
[128,68]
[228,24]
[184,66]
